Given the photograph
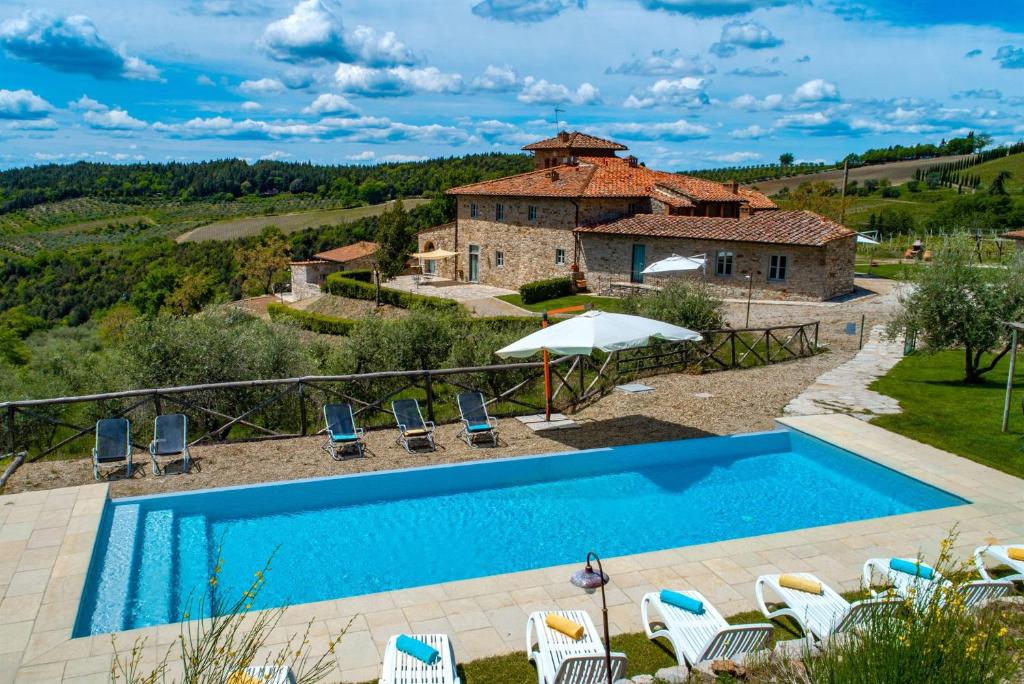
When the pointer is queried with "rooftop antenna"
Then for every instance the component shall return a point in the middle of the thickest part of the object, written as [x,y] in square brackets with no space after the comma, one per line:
[558,122]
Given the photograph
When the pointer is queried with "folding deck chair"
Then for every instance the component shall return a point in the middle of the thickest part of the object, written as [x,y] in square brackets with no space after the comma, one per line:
[342,433]
[113,444]
[412,429]
[699,637]
[476,423]
[170,441]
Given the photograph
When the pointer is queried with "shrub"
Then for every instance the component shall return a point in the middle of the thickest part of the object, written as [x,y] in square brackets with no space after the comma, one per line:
[890,192]
[341,286]
[693,306]
[542,290]
[310,320]
[363,275]
[914,185]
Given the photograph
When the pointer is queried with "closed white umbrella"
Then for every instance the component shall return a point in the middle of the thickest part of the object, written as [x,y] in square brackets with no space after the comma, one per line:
[677,263]
[865,240]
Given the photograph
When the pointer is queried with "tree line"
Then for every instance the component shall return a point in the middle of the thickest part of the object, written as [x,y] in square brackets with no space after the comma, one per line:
[232,178]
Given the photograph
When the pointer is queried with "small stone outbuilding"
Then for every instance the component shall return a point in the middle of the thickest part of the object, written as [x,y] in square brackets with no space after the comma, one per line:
[309,275]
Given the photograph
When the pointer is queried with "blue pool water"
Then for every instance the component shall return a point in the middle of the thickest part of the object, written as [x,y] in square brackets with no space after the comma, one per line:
[345,536]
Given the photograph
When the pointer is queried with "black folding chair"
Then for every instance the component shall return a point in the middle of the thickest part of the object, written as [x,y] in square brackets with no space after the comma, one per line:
[411,426]
[477,425]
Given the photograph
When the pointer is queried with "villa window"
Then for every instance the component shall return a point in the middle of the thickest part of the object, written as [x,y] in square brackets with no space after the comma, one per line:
[499,212]
[499,259]
[472,210]
[559,257]
[724,263]
[531,213]
[778,264]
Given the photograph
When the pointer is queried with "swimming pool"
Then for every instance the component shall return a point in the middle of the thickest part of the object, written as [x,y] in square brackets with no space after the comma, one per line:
[357,534]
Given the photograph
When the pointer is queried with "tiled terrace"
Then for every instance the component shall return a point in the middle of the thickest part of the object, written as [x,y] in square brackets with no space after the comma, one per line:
[46,537]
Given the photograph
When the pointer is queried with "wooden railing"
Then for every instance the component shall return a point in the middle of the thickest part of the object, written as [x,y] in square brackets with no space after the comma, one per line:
[32,429]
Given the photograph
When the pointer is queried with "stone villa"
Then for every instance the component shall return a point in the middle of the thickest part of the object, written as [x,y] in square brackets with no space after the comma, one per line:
[587,213]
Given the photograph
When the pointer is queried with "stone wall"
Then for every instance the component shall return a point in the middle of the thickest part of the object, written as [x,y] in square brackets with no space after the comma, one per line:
[307,278]
[813,273]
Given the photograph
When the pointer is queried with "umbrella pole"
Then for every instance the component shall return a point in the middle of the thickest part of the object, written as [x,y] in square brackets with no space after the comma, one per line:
[547,374]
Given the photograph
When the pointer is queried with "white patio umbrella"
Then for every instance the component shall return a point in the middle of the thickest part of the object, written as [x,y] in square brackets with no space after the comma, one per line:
[592,330]
[865,240]
[676,263]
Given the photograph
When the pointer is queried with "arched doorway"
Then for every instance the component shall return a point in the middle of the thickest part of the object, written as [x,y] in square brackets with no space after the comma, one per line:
[430,265]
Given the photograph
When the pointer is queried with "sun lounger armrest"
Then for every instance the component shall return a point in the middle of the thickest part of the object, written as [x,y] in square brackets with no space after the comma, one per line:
[402,428]
[429,424]
[861,610]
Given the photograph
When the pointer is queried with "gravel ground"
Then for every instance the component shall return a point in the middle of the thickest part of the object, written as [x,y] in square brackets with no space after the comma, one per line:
[681,406]
[354,309]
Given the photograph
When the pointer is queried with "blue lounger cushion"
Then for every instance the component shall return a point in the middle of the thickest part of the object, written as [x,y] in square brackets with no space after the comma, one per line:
[674,598]
[911,568]
[417,649]
[479,427]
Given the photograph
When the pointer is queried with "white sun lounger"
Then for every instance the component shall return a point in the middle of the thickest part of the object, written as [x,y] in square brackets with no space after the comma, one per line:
[821,615]
[696,638]
[560,659]
[1000,555]
[268,674]
[905,585]
[402,668]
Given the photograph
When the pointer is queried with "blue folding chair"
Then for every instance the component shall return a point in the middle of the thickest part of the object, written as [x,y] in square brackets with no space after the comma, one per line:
[113,445]
[342,433]
[477,425]
[170,441]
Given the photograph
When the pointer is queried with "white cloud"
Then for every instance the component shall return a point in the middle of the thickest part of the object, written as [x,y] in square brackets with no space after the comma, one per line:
[664,63]
[204,80]
[735,157]
[46,124]
[329,103]
[71,44]
[687,91]
[250,106]
[87,104]
[817,90]
[753,132]
[542,92]
[265,86]
[314,32]
[352,78]
[115,119]
[365,155]
[679,130]
[744,34]
[275,155]
[497,78]
[22,104]
[752,104]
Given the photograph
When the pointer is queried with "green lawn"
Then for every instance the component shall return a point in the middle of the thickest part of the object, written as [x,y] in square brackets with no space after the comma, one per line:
[940,410]
[1014,164]
[612,304]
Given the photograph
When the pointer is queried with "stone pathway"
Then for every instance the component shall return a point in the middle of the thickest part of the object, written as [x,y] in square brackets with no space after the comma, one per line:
[845,389]
[446,288]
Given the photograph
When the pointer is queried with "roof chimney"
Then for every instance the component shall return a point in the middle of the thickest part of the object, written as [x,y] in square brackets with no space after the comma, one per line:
[563,136]
[632,161]
[553,175]
[735,187]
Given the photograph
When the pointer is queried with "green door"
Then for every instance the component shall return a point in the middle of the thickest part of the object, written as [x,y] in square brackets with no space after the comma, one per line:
[636,273]
[474,263]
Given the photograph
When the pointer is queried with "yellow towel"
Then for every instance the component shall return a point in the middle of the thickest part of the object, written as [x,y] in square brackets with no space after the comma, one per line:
[415,433]
[1015,553]
[564,625]
[241,677]
[800,584]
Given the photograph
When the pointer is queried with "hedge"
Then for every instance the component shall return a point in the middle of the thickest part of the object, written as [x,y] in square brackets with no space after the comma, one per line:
[309,320]
[543,290]
[340,285]
[363,275]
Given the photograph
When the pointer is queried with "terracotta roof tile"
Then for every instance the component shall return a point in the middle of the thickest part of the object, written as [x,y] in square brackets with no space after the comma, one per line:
[757,200]
[599,177]
[351,252]
[575,140]
[1014,235]
[774,227]
[671,199]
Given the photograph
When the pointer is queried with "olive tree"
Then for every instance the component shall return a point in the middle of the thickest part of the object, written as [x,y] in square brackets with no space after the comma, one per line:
[957,304]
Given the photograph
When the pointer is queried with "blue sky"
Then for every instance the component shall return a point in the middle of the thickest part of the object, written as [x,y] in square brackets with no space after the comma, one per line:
[684,83]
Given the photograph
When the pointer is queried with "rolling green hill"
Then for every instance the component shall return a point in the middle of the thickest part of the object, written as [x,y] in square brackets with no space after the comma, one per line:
[1013,163]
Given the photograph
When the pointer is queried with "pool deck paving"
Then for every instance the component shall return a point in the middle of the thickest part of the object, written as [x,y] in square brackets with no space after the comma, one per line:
[46,540]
